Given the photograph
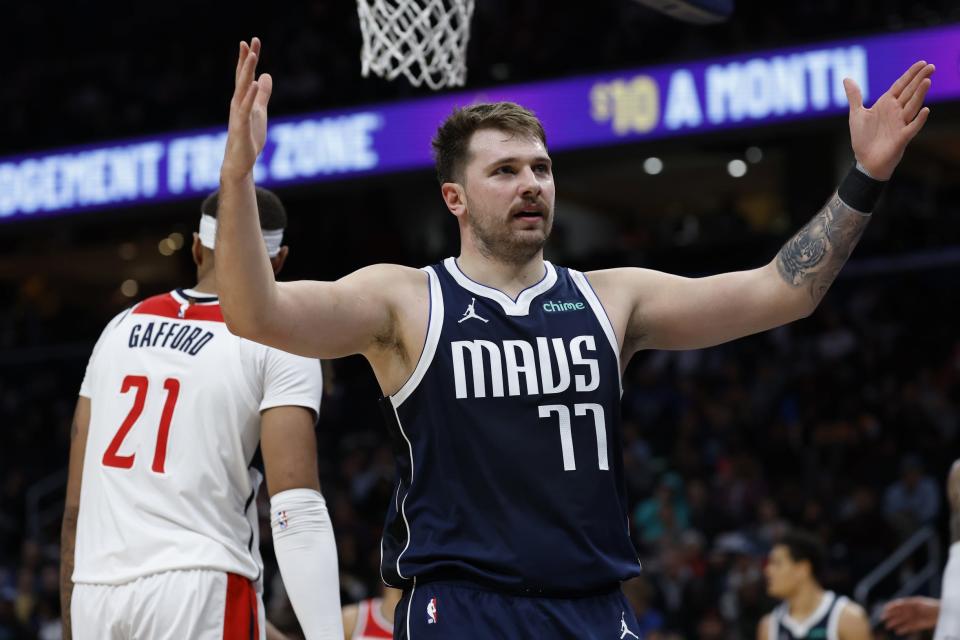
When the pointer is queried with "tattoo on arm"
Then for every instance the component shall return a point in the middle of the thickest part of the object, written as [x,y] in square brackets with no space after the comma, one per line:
[814,256]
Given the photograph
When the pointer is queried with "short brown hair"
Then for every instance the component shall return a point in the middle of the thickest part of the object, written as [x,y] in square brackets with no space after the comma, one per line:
[450,145]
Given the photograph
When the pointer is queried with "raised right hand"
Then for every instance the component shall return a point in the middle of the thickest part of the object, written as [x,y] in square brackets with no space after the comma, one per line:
[908,615]
[247,130]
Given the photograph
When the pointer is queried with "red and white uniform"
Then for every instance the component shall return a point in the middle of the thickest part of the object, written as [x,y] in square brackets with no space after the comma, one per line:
[371,625]
[174,424]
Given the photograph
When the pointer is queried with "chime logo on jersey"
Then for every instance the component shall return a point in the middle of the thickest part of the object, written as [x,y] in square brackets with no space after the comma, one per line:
[519,360]
[551,307]
[432,611]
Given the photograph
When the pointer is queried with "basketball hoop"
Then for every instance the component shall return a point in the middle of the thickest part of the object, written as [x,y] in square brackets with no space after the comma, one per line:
[425,40]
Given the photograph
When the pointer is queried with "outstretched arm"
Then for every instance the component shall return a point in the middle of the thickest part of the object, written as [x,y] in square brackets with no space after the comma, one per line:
[316,319]
[663,311]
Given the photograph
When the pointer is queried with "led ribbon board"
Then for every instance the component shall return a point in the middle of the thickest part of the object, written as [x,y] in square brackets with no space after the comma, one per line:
[581,112]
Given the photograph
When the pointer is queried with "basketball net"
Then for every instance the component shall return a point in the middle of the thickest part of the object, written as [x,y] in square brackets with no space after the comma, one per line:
[425,40]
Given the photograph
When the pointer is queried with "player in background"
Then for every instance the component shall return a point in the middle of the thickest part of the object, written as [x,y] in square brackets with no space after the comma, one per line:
[910,615]
[510,514]
[160,534]
[808,612]
[371,619]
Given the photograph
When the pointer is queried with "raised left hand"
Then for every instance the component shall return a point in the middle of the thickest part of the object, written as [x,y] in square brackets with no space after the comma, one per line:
[881,133]
[247,127]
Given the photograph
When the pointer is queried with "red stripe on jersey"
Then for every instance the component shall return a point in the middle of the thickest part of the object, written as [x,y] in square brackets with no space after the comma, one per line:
[240,613]
[374,628]
[167,306]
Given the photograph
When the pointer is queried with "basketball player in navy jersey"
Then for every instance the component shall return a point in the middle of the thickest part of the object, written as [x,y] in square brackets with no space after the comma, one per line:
[501,372]
[808,612]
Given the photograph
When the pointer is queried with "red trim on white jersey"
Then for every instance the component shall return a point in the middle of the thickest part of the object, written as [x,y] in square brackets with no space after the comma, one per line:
[168,306]
[370,622]
[240,613]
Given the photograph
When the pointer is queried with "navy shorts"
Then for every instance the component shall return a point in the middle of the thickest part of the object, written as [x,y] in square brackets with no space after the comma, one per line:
[440,610]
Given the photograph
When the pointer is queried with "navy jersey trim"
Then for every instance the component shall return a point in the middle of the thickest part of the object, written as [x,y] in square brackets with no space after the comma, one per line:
[511,307]
[827,613]
[430,340]
[395,428]
[583,284]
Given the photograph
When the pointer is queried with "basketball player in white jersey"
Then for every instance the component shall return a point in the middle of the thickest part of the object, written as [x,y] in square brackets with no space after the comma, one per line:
[371,619]
[909,615]
[496,178]
[807,612]
[160,531]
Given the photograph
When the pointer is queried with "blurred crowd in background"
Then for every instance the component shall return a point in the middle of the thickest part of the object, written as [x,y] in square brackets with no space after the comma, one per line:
[844,423]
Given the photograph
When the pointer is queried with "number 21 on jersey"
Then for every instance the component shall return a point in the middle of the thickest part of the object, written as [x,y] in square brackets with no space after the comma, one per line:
[172,386]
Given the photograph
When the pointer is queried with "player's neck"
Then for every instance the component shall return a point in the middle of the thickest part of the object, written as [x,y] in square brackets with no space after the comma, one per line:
[207,284]
[802,604]
[507,277]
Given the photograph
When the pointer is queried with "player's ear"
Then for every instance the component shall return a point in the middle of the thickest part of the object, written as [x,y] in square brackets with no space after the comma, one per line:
[197,249]
[454,197]
[278,260]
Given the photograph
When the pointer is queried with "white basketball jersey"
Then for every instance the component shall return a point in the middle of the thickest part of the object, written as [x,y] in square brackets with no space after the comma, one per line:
[174,424]
[948,622]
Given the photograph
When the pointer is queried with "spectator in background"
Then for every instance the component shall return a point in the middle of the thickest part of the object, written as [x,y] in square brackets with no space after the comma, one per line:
[10,627]
[912,501]
[770,526]
[666,514]
[675,585]
[863,530]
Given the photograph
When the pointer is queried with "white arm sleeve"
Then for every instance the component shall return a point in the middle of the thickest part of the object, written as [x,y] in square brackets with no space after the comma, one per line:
[307,555]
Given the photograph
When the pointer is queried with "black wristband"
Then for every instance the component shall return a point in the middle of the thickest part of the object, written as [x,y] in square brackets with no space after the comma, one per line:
[859,191]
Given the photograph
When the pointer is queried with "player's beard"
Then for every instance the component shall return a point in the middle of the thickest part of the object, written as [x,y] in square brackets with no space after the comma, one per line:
[501,241]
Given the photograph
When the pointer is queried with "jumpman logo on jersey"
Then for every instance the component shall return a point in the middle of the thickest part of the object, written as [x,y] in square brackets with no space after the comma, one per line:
[624,631]
[471,312]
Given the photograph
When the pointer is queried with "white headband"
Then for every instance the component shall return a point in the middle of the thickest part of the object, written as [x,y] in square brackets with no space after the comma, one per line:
[208,234]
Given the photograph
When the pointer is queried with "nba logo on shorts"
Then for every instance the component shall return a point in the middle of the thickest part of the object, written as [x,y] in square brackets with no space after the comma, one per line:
[432,611]
[282,517]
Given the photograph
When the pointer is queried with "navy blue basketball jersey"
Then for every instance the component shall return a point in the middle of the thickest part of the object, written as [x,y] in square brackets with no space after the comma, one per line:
[823,624]
[508,443]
